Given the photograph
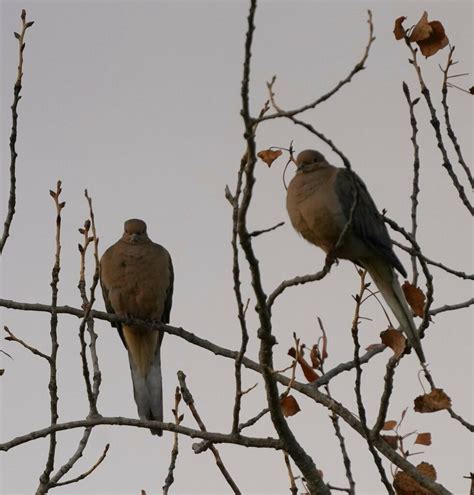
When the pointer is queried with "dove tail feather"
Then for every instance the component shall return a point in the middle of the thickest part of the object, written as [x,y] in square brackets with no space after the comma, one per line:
[391,291]
[145,368]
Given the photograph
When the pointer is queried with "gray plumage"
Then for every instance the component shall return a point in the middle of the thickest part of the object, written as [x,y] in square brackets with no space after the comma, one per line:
[319,202]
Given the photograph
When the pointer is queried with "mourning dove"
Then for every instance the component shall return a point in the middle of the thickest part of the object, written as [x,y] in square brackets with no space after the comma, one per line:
[137,281]
[319,201]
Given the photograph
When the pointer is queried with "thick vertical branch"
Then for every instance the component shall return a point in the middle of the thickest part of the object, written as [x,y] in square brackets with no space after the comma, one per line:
[267,340]
[13,135]
[53,387]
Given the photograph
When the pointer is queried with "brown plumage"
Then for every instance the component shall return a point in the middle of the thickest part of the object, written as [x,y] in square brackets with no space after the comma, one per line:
[319,202]
[137,281]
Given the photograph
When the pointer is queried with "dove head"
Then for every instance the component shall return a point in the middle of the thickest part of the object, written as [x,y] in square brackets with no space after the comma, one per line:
[134,231]
[307,159]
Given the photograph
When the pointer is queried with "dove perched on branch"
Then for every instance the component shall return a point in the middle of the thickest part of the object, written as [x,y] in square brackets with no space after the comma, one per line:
[137,281]
[319,202]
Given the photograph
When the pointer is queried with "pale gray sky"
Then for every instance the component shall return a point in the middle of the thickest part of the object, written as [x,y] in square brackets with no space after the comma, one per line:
[139,103]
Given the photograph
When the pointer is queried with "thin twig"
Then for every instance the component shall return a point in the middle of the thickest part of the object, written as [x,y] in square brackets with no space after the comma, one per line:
[53,387]
[446,163]
[253,420]
[175,450]
[13,338]
[452,307]
[359,66]
[256,233]
[13,135]
[86,473]
[188,398]
[447,118]
[293,487]
[387,392]
[360,404]
[416,176]
[92,391]
[447,269]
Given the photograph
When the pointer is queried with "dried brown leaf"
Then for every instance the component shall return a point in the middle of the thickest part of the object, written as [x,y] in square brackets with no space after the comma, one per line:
[398,30]
[395,340]
[314,355]
[269,156]
[422,30]
[2,371]
[389,425]
[392,440]
[415,298]
[289,406]
[308,371]
[404,484]
[471,90]
[436,400]
[423,438]
[437,40]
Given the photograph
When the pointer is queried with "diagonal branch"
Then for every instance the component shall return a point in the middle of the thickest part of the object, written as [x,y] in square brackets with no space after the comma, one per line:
[357,68]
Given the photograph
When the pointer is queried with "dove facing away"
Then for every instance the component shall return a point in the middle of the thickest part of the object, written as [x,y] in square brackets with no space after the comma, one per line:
[319,201]
[137,281]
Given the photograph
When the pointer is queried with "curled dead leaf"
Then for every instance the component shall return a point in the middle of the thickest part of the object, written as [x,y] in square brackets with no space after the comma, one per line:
[423,438]
[395,340]
[398,30]
[289,406]
[415,298]
[404,484]
[392,440]
[430,36]
[308,371]
[314,355]
[436,400]
[422,29]
[269,156]
[437,40]
[389,425]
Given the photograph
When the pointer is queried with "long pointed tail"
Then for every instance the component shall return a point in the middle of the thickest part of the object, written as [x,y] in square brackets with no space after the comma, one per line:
[145,366]
[390,289]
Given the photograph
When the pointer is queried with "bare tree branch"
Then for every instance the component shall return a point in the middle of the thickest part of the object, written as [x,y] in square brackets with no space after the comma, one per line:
[169,480]
[188,398]
[13,136]
[86,473]
[447,119]
[260,443]
[53,387]
[13,338]
[357,68]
